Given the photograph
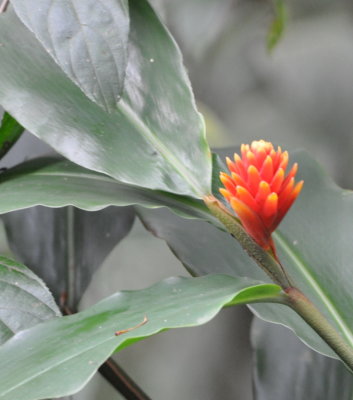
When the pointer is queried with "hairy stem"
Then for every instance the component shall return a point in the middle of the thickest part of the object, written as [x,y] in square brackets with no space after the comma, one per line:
[308,311]
[292,296]
[264,259]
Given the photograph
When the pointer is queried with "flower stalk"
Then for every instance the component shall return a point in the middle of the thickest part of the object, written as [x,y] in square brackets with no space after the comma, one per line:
[308,311]
[264,259]
[260,193]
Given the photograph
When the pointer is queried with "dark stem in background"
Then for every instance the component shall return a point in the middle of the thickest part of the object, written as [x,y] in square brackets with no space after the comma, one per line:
[70,259]
[116,376]
[121,381]
[10,132]
[4,5]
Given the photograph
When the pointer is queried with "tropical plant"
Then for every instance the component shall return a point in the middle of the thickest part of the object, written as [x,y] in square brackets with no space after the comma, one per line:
[103,83]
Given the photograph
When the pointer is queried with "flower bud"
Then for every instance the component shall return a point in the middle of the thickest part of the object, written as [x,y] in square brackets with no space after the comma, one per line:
[259,190]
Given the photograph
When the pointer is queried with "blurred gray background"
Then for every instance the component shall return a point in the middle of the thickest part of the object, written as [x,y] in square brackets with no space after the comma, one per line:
[299,96]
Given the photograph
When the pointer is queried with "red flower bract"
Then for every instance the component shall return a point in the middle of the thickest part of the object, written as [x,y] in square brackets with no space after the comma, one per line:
[259,190]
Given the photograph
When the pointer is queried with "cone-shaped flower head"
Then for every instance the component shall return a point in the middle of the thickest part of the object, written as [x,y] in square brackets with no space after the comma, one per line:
[259,190]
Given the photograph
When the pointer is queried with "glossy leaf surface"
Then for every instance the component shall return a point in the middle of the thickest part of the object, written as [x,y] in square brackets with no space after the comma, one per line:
[312,242]
[57,358]
[88,39]
[24,298]
[56,183]
[66,246]
[284,368]
[154,139]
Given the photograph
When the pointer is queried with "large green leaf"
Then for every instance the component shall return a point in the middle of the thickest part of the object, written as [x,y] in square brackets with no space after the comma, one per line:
[313,243]
[88,39]
[56,183]
[10,131]
[57,358]
[66,246]
[284,368]
[154,139]
[24,298]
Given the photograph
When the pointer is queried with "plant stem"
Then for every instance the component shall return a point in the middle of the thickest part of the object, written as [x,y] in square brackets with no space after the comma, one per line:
[308,311]
[70,258]
[293,297]
[121,381]
[264,259]
[4,5]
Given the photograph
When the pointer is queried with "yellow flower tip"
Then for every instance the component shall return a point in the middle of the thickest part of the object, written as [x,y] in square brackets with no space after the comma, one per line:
[267,169]
[260,144]
[251,157]
[252,170]
[244,148]
[284,160]
[237,158]
[229,162]
[223,179]
[240,208]
[254,178]
[225,194]
[271,205]
[264,186]
[297,189]
[277,180]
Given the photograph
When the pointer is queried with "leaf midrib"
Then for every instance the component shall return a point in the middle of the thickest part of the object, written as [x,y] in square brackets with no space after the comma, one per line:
[304,269]
[146,132]
[80,176]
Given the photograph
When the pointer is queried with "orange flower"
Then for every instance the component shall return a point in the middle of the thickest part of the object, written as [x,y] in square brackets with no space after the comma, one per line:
[259,190]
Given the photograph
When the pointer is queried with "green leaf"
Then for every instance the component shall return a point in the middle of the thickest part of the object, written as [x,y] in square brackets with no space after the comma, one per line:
[57,358]
[201,247]
[66,246]
[155,138]
[24,298]
[312,243]
[10,131]
[278,25]
[88,39]
[284,368]
[55,183]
